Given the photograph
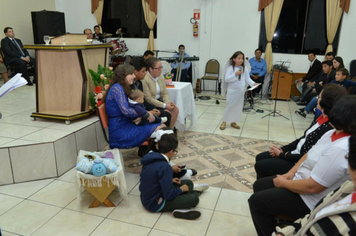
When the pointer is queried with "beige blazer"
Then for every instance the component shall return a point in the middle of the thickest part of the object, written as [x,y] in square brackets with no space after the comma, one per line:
[150,91]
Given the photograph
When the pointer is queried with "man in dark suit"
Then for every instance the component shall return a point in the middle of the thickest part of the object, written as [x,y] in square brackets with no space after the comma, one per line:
[97,35]
[15,54]
[314,69]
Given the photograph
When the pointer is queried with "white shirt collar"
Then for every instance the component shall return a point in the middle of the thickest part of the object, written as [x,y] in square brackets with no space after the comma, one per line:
[165,157]
[155,79]
[311,63]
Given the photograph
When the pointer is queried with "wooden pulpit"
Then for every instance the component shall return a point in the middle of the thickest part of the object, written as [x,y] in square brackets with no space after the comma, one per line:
[284,81]
[63,80]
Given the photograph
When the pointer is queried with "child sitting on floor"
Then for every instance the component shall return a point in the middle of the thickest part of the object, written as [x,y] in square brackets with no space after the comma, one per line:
[160,192]
[179,171]
[136,102]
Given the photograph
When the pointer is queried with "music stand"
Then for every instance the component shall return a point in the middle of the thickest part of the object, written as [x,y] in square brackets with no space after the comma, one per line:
[274,112]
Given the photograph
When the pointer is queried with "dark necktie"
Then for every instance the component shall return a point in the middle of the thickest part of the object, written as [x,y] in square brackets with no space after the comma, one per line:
[18,46]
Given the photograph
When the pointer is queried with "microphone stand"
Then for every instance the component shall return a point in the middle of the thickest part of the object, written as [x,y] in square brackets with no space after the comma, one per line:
[274,112]
[179,72]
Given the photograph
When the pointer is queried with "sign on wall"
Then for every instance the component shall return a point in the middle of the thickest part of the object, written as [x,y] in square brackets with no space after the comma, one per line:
[196,14]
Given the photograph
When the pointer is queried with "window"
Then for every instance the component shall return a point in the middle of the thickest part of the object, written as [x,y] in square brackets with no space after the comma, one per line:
[301,28]
[127,15]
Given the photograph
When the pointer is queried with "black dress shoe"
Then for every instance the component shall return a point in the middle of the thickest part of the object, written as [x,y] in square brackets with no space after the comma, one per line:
[29,83]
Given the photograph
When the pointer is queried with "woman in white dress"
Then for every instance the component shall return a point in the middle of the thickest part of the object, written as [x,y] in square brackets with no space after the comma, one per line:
[236,77]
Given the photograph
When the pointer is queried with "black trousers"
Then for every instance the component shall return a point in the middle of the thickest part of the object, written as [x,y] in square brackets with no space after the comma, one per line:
[146,122]
[186,200]
[269,201]
[164,113]
[21,67]
[266,165]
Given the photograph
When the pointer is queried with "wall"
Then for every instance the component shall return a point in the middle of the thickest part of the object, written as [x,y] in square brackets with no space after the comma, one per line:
[225,26]
[77,14]
[17,14]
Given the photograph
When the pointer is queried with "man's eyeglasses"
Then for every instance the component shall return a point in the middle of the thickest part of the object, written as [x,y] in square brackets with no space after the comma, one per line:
[158,68]
[175,152]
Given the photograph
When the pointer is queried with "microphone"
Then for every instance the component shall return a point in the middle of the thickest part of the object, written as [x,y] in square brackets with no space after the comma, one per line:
[241,68]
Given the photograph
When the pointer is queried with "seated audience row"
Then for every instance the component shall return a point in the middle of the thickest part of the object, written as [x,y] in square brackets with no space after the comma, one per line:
[335,214]
[279,160]
[321,170]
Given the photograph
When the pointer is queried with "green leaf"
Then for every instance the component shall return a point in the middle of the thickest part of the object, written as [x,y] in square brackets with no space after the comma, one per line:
[92,101]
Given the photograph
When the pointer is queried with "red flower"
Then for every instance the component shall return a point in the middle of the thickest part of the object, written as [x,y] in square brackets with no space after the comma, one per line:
[97,89]
[99,103]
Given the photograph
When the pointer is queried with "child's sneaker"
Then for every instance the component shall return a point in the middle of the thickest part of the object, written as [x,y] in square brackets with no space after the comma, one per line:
[192,172]
[186,214]
[163,119]
[200,187]
[301,114]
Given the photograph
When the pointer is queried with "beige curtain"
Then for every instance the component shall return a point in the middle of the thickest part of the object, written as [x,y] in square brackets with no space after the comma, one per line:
[263,3]
[345,5]
[272,12]
[150,10]
[333,16]
[98,11]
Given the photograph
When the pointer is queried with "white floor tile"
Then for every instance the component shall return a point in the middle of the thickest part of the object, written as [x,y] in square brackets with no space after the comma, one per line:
[229,224]
[111,227]
[27,217]
[208,199]
[8,202]
[24,190]
[53,193]
[233,202]
[130,210]
[69,222]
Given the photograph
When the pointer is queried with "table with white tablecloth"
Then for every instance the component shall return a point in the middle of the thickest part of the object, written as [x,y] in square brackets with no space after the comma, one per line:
[182,95]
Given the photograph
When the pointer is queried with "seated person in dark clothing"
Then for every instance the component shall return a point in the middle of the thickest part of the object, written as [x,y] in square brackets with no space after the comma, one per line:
[314,69]
[15,55]
[342,78]
[185,65]
[136,102]
[315,85]
[160,192]
[329,56]
[279,160]
[140,72]
[97,35]
[148,54]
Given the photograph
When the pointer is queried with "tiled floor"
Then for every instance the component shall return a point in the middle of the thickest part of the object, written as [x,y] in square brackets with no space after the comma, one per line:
[223,158]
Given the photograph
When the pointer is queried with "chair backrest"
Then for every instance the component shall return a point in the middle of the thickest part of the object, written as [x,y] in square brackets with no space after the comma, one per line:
[212,67]
[353,69]
[103,120]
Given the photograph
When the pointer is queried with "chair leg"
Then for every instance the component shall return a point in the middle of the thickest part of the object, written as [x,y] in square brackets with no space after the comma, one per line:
[216,87]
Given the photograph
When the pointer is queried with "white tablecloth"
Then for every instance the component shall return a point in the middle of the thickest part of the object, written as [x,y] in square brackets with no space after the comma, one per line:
[182,95]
